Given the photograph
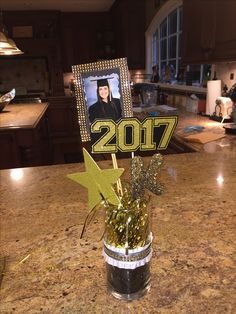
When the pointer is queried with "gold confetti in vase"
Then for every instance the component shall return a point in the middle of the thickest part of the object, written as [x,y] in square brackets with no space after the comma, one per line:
[128,250]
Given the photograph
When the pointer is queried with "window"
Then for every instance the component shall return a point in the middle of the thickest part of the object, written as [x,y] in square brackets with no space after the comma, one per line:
[166,49]
[163,43]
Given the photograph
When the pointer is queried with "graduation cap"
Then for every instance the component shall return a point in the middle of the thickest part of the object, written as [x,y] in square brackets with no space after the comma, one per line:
[103,81]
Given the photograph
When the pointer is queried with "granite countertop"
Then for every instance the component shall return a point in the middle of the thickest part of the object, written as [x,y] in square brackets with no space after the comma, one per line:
[48,269]
[183,88]
[226,144]
[22,115]
[178,87]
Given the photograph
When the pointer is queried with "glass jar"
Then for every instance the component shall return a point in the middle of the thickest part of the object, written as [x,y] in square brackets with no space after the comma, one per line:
[127,250]
[128,272]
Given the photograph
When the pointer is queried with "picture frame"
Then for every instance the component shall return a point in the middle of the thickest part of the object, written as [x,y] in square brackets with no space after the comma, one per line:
[22,31]
[86,77]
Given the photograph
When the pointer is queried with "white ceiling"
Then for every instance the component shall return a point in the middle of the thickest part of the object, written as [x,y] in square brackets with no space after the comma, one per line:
[61,5]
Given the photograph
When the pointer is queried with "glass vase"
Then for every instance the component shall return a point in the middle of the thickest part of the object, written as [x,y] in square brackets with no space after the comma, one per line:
[127,251]
[128,274]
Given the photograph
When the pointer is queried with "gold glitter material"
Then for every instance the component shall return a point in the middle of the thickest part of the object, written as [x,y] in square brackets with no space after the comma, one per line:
[151,182]
[127,225]
[141,179]
[97,181]
[137,177]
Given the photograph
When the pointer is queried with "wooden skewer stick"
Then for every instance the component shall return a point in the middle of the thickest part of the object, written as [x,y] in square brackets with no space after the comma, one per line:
[115,166]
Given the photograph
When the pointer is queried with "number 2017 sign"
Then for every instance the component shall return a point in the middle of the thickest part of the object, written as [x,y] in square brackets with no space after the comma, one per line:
[130,134]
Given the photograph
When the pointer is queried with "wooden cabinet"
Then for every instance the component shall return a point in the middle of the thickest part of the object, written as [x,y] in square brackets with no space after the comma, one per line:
[209,31]
[68,38]
[24,137]
[49,49]
[114,34]
[129,29]
[10,155]
[44,43]
[64,129]
[80,37]
[225,48]
[40,134]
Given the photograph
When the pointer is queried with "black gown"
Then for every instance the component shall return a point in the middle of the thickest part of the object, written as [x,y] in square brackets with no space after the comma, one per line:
[103,110]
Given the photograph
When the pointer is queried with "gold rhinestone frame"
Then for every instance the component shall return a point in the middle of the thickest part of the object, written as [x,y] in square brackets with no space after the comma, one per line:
[95,67]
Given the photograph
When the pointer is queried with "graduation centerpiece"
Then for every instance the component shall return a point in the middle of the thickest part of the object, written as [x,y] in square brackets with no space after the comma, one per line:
[127,236]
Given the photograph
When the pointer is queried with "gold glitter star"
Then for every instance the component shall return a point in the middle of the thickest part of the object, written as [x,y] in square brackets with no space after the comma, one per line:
[97,181]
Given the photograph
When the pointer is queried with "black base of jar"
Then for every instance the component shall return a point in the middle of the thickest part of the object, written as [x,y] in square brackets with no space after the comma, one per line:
[128,284]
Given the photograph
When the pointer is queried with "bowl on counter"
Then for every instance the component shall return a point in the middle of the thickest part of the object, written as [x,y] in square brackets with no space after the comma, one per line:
[3,105]
[6,98]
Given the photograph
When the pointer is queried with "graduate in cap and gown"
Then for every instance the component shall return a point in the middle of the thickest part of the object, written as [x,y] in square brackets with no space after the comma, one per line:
[106,106]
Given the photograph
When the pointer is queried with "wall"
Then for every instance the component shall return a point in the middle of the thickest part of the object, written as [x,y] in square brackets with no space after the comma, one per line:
[26,76]
[223,71]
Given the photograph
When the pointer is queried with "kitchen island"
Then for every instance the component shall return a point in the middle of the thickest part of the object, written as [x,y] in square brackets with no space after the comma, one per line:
[24,135]
[47,268]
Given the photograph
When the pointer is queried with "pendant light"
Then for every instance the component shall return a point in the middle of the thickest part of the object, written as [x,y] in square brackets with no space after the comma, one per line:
[7,45]
[4,44]
[14,50]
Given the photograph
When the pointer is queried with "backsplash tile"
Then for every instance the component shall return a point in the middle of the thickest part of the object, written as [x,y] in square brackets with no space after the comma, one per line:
[26,75]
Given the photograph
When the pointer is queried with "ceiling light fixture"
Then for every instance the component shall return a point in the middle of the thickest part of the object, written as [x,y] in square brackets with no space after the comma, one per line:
[7,45]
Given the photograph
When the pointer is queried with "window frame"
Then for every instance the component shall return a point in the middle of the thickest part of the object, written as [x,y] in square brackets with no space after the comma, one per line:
[157,55]
[165,10]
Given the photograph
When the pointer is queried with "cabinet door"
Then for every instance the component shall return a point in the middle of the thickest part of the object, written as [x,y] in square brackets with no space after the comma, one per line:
[59,122]
[64,129]
[226,31]
[63,117]
[68,48]
[209,31]
[198,31]
[9,154]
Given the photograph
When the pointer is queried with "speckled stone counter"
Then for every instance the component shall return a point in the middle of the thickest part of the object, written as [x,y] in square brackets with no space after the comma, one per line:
[226,144]
[48,269]
[22,115]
